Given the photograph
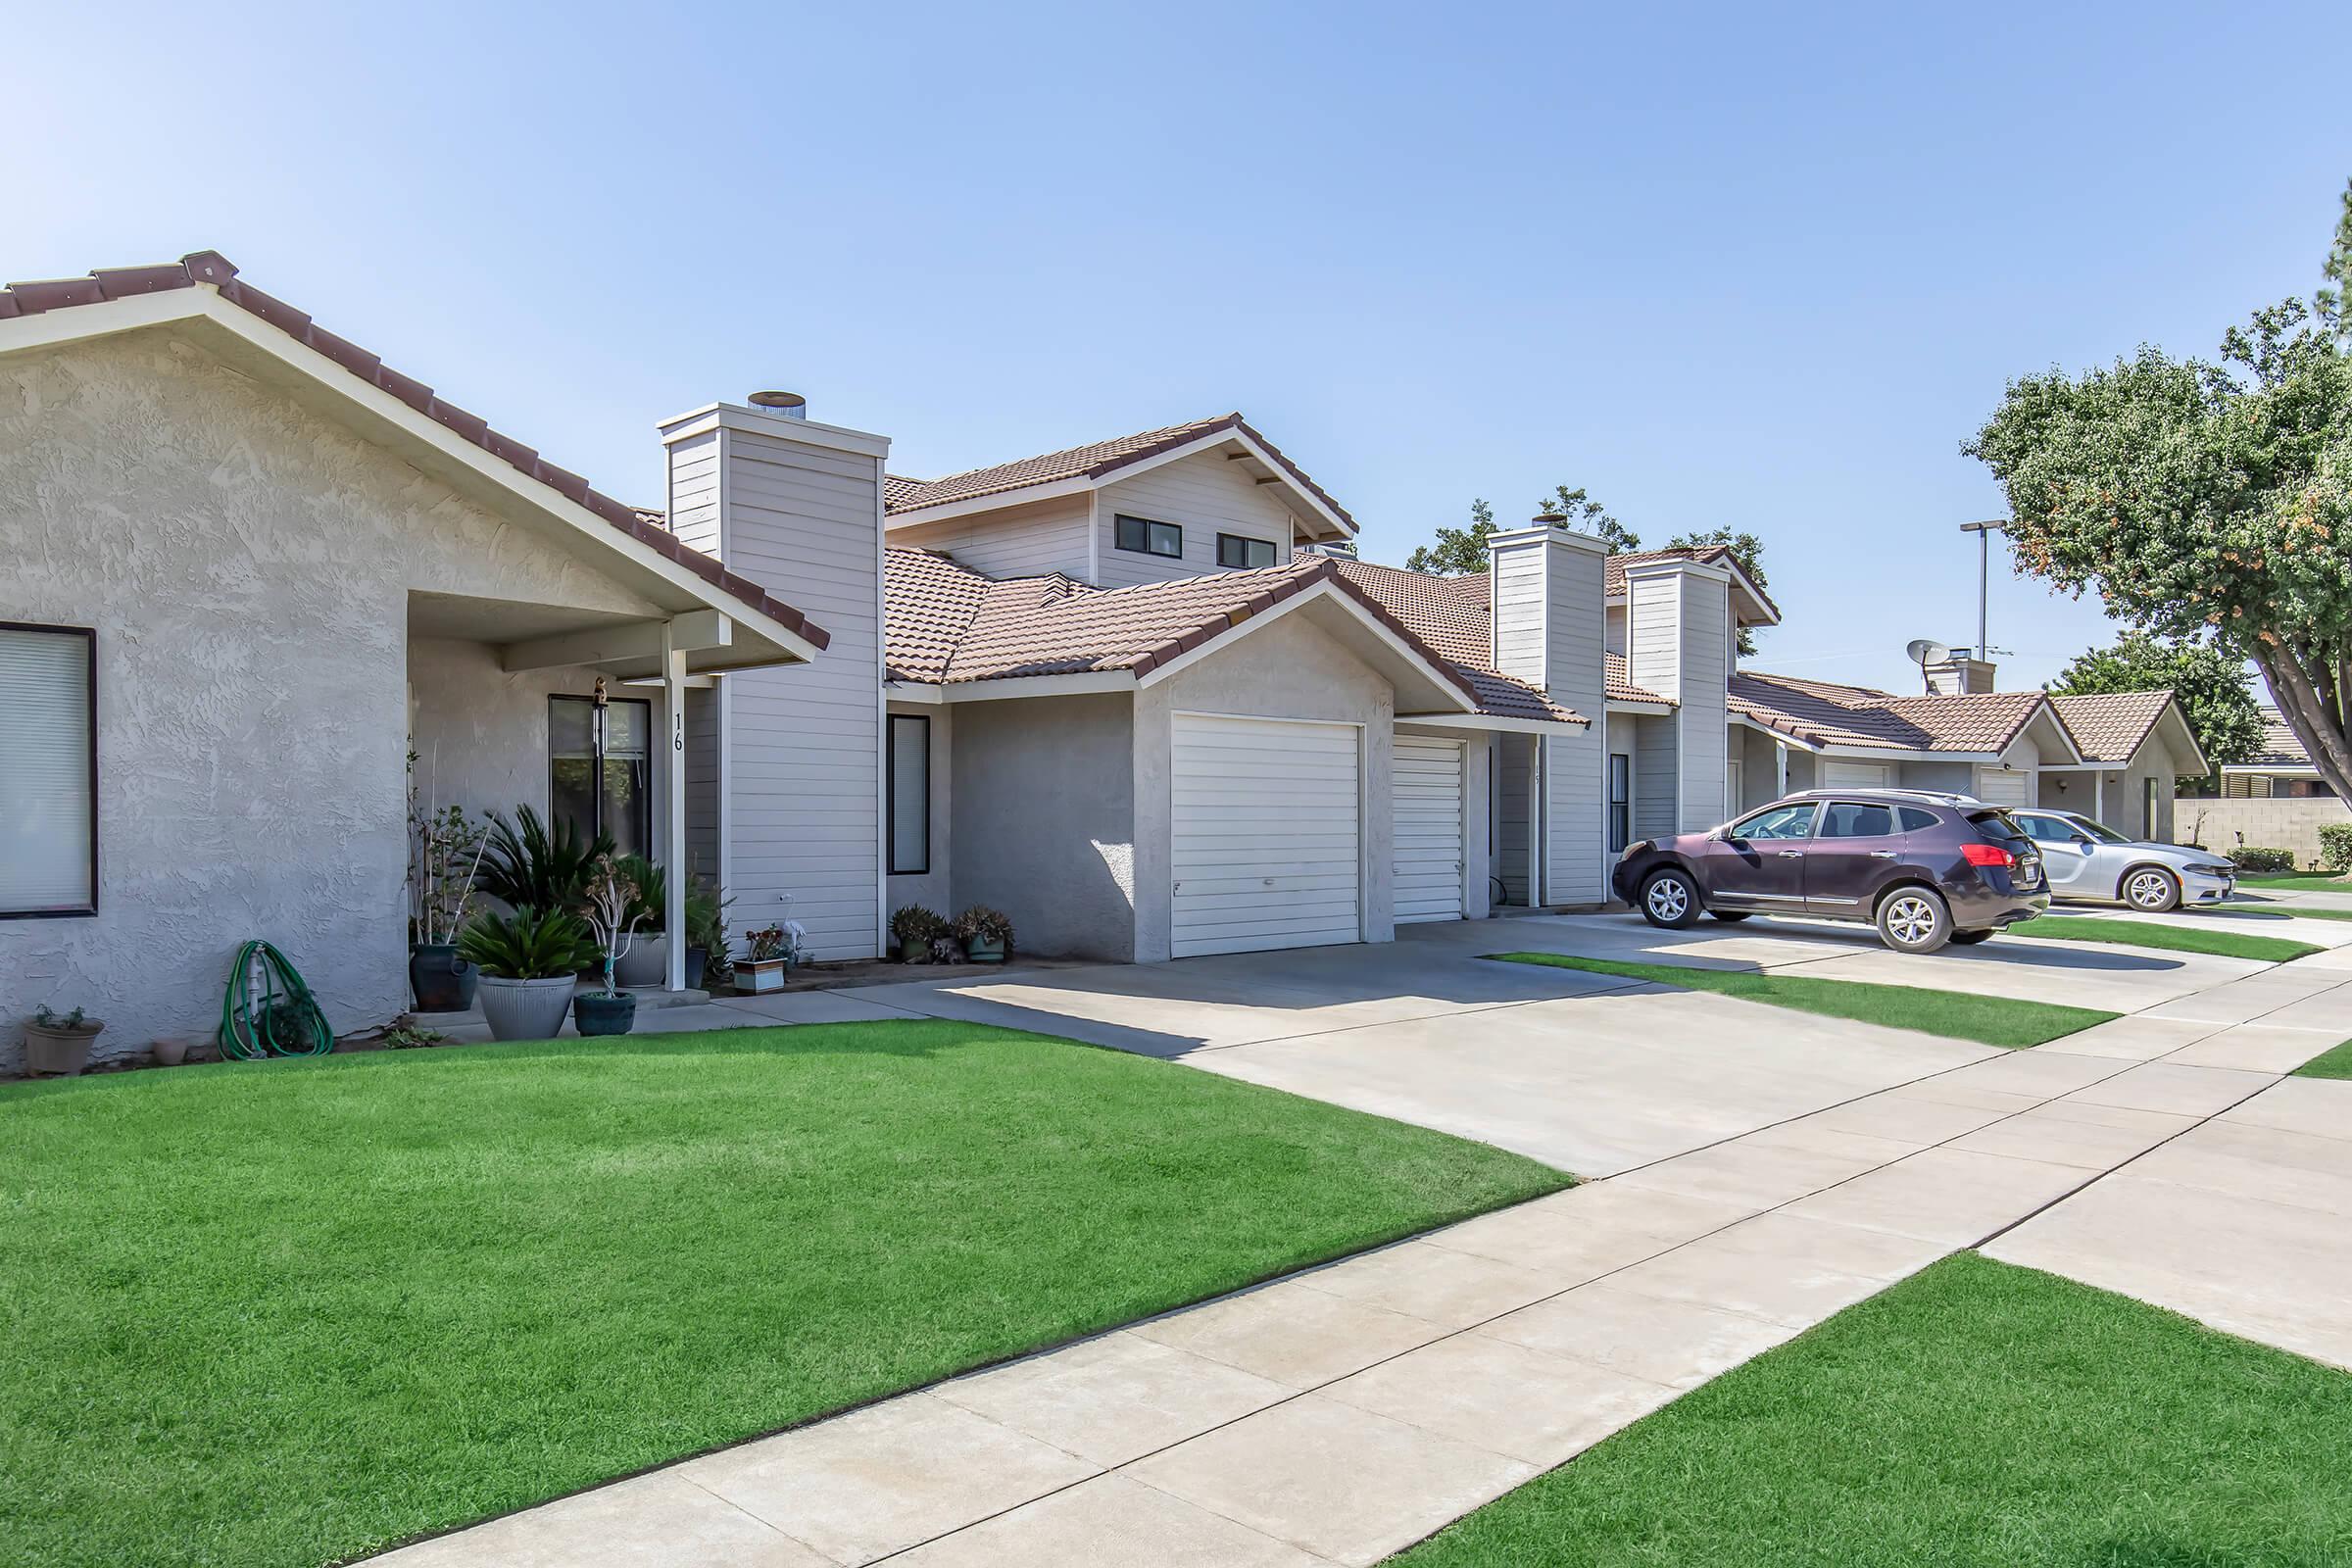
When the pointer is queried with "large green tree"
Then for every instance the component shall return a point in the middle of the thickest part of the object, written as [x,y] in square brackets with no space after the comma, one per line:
[2213,687]
[1459,552]
[1746,549]
[2207,498]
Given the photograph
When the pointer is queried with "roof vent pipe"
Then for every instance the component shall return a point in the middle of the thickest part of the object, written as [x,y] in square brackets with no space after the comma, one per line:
[783,405]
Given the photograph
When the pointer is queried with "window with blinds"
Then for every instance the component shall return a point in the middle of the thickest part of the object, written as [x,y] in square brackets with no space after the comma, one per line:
[48,771]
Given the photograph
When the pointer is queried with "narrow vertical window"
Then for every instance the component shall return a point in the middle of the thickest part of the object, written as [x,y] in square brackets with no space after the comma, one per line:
[48,771]
[910,794]
[1621,801]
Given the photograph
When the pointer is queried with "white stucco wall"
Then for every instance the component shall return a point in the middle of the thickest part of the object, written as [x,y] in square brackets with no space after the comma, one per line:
[246,563]
[1044,820]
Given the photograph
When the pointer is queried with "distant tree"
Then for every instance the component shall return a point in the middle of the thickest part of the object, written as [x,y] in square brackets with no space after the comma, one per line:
[2213,687]
[2207,499]
[1458,552]
[1746,549]
[1587,515]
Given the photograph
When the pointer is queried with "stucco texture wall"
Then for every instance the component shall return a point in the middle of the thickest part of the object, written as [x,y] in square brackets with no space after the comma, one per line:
[1287,669]
[2282,822]
[1043,818]
[246,563]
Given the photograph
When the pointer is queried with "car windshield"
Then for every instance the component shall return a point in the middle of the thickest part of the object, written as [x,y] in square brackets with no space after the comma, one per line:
[2099,830]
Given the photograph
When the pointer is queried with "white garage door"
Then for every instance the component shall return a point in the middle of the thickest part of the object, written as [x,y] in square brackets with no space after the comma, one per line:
[1265,823]
[1426,784]
[1999,787]
[1856,775]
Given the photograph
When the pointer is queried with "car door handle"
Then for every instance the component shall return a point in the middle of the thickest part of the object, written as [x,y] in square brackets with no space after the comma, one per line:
[1793,854]
[1882,855]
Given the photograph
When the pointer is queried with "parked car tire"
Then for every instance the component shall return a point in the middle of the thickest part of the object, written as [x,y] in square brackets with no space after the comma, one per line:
[1969,939]
[1914,919]
[2151,889]
[1731,914]
[1670,900]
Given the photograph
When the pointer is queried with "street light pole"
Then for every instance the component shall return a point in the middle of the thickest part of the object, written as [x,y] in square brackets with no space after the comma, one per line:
[1983,532]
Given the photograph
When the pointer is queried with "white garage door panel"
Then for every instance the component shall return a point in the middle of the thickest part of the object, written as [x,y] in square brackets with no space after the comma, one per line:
[1998,788]
[1856,775]
[1266,846]
[1426,788]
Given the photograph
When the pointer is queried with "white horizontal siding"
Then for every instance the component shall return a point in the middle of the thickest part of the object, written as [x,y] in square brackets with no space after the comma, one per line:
[694,492]
[805,740]
[1018,542]
[1204,495]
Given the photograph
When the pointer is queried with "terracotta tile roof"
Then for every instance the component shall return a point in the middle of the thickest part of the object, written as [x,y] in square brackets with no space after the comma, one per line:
[1623,690]
[945,623]
[1825,713]
[1094,461]
[1451,615]
[2111,727]
[2279,747]
[211,270]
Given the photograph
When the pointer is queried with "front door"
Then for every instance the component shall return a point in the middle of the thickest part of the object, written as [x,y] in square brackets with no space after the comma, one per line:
[1759,862]
[1856,846]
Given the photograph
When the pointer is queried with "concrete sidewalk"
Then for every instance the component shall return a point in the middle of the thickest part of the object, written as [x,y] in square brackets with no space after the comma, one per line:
[1340,1414]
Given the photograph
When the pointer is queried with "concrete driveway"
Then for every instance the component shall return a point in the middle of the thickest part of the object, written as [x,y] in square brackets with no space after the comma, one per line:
[1591,1073]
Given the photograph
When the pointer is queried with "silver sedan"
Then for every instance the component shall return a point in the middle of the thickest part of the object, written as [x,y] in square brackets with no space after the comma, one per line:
[2090,863]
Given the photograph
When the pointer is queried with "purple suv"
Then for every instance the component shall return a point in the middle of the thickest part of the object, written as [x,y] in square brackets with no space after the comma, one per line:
[1924,868]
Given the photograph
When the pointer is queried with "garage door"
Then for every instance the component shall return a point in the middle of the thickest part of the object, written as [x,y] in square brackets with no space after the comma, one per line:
[1856,775]
[1997,787]
[1426,784]
[1265,823]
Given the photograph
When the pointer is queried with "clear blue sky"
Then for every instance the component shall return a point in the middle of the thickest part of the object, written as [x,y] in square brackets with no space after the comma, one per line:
[1751,264]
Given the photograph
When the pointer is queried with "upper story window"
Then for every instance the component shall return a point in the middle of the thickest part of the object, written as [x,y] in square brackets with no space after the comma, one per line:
[1240,550]
[48,771]
[1148,538]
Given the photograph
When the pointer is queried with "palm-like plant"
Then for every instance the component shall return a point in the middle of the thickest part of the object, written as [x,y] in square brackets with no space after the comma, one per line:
[527,944]
[529,864]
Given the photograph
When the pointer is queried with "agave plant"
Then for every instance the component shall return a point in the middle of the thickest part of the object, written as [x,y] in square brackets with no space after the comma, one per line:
[527,944]
[529,864]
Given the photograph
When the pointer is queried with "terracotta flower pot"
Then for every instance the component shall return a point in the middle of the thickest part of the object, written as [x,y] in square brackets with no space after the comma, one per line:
[170,1051]
[59,1051]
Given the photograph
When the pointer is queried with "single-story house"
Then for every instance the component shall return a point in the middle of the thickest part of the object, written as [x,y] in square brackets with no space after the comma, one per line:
[247,571]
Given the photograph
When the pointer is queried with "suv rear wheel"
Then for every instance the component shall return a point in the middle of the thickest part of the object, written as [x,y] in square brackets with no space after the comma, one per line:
[1914,919]
[1670,900]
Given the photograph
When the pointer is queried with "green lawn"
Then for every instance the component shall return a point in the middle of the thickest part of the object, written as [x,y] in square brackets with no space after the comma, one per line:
[2172,938]
[2300,882]
[284,1313]
[1954,1015]
[2333,1063]
[1973,1416]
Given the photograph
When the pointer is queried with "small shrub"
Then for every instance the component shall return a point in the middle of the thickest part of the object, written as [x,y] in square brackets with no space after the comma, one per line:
[913,927]
[529,864]
[527,944]
[980,923]
[2336,846]
[2249,858]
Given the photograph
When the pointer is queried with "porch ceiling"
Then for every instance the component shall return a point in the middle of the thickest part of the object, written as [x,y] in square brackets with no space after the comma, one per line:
[530,635]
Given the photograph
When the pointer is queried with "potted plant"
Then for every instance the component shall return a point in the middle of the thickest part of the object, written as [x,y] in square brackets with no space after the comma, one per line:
[58,1045]
[987,934]
[648,963]
[445,856]
[612,915]
[767,957]
[530,962]
[707,937]
[912,929]
[531,865]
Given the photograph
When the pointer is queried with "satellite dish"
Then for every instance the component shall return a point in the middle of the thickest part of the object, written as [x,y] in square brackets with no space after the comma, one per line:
[1924,651]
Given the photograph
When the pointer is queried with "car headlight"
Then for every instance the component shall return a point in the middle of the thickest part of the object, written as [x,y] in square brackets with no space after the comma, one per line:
[2212,870]
[1633,849]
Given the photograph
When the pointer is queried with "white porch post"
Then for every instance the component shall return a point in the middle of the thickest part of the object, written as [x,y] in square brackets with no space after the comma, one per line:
[1780,770]
[673,858]
[2098,795]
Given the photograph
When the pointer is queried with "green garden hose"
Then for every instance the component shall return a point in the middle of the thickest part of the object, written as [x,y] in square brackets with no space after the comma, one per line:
[287,1021]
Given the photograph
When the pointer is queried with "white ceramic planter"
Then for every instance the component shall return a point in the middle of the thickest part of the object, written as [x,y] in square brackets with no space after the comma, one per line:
[524,1009]
[645,964]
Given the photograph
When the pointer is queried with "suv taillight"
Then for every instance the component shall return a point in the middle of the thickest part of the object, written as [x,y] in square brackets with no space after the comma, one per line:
[1988,855]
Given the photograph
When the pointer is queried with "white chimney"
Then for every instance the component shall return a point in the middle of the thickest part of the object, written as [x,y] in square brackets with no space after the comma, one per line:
[1549,593]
